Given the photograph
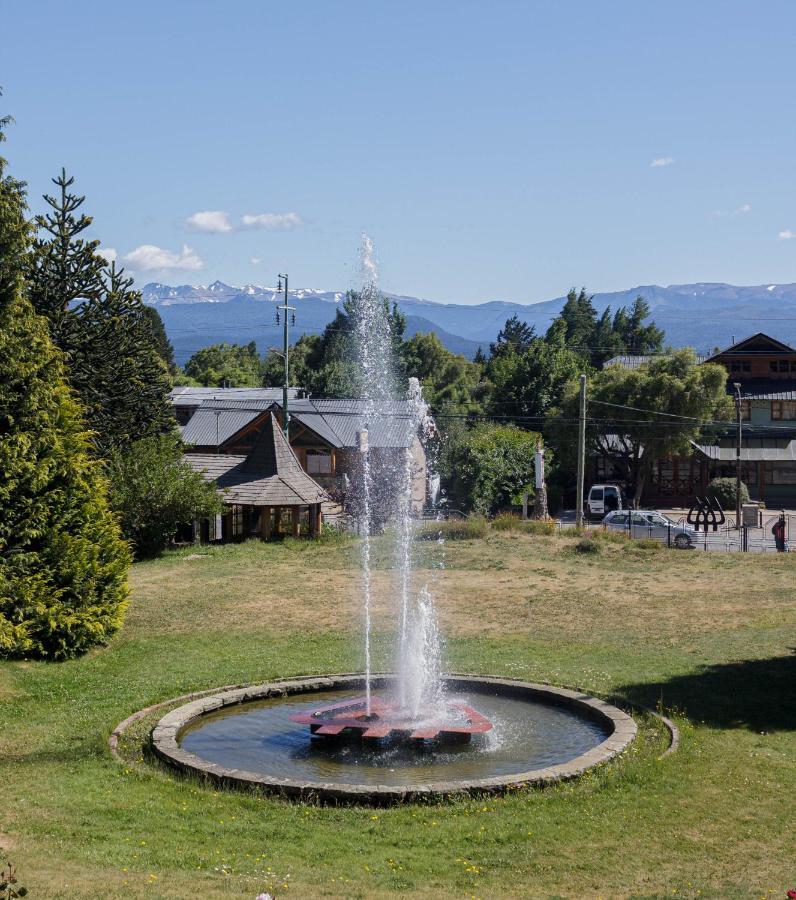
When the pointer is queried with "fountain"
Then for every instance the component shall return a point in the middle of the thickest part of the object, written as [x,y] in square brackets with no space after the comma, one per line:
[383,737]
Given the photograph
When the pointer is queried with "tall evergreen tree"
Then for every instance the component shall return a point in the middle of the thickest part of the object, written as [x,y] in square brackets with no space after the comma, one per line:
[62,564]
[160,340]
[515,335]
[101,325]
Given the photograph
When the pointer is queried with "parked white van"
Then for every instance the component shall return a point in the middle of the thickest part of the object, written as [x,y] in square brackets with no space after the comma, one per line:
[602,499]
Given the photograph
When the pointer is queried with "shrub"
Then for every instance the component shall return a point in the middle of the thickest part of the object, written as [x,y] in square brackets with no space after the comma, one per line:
[489,466]
[154,492]
[646,544]
[609,536]
[586,545]
[538,526]
[469,529]
[507,522]
[723,490]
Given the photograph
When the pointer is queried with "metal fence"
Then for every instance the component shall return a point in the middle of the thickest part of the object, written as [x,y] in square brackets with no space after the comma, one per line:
[726,539]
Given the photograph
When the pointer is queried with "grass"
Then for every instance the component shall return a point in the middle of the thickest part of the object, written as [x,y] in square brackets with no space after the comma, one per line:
[708,636]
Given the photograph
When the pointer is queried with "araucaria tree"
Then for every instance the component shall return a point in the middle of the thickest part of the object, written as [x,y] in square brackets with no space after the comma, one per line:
[63,566]
[100,323]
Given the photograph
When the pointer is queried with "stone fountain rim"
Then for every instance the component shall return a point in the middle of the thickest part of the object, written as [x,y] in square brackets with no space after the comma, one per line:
[166,734]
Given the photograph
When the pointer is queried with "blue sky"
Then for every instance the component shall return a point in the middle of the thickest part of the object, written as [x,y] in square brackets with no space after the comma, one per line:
[498,150]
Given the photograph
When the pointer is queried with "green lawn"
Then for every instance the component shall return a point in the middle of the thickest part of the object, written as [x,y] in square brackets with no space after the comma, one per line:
[710,637]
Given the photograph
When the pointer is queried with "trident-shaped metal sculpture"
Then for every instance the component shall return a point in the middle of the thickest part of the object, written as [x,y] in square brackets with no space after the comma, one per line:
[706,513]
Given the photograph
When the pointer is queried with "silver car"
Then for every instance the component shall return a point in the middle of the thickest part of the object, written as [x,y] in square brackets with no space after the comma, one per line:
[647,523]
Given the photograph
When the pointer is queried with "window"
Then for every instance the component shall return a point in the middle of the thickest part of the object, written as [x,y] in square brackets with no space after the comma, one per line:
[596,494]
[319,462]
[783,409]
[746,410]
[237,521]
[740,367]
[784,365]
[783,473]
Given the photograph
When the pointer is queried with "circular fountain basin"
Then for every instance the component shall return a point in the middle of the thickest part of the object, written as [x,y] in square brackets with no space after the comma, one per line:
[251,737]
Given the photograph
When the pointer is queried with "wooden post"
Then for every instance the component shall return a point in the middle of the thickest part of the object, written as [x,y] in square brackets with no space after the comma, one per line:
[265,523]
[295,520]
[277,520]
[318,519]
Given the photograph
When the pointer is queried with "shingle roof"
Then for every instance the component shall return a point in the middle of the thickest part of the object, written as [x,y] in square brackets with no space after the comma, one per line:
[270,475]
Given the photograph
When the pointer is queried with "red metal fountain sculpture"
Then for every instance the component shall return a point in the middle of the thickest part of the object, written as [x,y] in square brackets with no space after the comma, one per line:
[457,722]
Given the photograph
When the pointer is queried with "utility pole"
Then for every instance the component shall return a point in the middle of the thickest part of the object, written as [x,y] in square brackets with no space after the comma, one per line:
[739,420]
[581,452]
[286,353]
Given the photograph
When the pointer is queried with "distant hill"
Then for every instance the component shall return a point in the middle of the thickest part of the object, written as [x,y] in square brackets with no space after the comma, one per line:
[697,315]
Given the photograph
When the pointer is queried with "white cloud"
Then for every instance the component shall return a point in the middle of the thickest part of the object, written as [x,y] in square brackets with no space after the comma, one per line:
[255,260]
[108,254]
[149,258]
[739,211]
[661,161]
[786,235]
[214,221]
[272,220]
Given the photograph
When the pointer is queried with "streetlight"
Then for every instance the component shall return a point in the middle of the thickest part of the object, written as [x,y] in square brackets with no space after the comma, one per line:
[286,353]
[739,421]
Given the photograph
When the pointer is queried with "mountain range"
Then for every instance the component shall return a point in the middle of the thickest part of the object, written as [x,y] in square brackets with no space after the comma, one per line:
[701,315]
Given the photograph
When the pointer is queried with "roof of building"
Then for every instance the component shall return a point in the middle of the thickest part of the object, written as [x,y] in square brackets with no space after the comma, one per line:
[337,422]
[270,475]
[193,396]
[765,389]
[757,343]
[785,453]
[630,361]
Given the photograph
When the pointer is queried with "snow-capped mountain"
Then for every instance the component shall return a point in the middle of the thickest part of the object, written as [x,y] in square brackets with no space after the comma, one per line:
[701,315]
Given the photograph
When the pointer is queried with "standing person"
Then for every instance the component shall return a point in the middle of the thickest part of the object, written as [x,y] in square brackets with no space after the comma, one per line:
[778,530]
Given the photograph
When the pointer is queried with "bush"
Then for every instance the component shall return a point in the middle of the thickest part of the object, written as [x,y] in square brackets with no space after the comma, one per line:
[510,522]
[507,522]
[489,466]
[469,529]
[63,565]
[646,544]
[610,537]
[538,526]
[154,492]
[586,545]
[723,490]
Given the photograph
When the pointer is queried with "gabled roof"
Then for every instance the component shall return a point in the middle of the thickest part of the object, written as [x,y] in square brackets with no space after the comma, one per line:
[390,423]
[754,344]
[216,421]
[270,475]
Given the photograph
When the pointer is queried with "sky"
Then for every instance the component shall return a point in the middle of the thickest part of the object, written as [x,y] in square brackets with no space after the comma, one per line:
[502,150]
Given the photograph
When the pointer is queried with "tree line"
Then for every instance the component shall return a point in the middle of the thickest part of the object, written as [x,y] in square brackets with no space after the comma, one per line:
[89,450]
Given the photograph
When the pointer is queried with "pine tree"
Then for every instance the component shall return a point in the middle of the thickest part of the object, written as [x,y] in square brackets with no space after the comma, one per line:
[65,267]
[160,340]
[115,369]
[62,563]
[101,325]
[515,336]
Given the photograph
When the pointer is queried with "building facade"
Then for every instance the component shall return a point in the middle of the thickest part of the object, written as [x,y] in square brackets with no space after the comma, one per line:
[323,439]
[765,369]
